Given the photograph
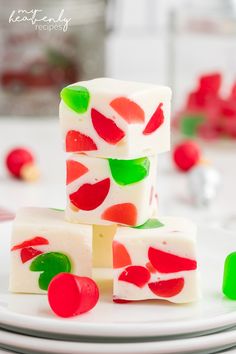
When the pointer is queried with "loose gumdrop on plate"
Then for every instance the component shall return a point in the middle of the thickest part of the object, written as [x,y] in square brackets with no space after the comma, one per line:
[20,162]
[229,278]
[70,295]
[186,155]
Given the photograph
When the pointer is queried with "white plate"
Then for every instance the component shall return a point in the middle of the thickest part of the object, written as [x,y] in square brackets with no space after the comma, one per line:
[206,344]
[31,313]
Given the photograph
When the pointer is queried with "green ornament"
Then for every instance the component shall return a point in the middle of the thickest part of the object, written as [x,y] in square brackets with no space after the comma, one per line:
[129,171]
[190,123]
[150,224]
[229,279]
[76,97]
[50,264]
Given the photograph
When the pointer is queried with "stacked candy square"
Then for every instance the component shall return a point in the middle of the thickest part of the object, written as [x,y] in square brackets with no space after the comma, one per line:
[112,132]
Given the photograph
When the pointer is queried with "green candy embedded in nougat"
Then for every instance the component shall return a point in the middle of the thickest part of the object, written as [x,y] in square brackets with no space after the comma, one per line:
[129,171]
[189,124]
[150,224]
[229,279]
[50,264]
[76,97]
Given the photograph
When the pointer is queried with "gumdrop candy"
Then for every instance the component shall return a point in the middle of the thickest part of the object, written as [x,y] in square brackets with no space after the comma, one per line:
[167,288]
[36,241]
[74,170]
[50,264]
[126,172]
[210,83]
[121,257]
[76,97]
[76,141]
[136,275]
[130,111]
[106,128]
[70,295]
[155,121]
[190,123]
[124,213]
[90,196]
[165,262]
[150,224]
[229,278]
[28,253]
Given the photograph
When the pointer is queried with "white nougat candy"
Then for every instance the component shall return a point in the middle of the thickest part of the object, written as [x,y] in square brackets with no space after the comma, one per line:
[118,119]
[106,191]
[156,261]
[43,244]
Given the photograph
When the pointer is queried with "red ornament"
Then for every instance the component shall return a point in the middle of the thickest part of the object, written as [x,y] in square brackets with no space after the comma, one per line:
[136,275]
[90,196]
[20,162]
[106,128]
[186,155]
[70,295]
[165,262]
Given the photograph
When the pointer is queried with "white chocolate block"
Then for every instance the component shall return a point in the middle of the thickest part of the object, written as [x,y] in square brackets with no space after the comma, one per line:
[117,119]
[156,263]
[43,232]
[104,191]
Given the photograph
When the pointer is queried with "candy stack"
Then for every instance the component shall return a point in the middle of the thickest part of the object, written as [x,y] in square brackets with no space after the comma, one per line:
[113,131]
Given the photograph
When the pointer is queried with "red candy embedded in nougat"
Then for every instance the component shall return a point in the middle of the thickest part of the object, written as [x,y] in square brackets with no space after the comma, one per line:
[28,253]
[165,262]
[70,295]
[121,257]
[136,275]
[106,128]
[76,141]
[90,196]
[74,170]
[167,288]
[155,121]
[130,111]
[36,241]
[124,213]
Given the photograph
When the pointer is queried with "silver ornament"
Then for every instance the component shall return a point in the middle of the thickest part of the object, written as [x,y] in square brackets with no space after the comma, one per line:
[204,181]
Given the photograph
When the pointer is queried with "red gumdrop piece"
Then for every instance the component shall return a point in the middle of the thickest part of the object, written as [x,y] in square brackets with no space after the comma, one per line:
[128,110]
[155,121]
[124,213]
[74,170]
[70,295]
[167,288]
[121,257]
[90,196]
[186,155]
[165,262]
[28,253]
[106,128]
[76,141]
[136,275]
[120,301]
[210,83]
[36,241]
[18,158]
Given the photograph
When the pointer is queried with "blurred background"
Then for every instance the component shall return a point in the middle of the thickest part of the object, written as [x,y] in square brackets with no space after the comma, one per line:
[189,45]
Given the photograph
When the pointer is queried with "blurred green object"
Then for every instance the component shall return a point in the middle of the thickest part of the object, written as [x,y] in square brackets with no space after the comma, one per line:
[229,280]
[189,124]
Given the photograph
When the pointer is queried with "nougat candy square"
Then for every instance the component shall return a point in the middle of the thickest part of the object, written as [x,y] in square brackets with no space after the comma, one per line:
[43,244]
[117,119]
[109,191]
[156,261]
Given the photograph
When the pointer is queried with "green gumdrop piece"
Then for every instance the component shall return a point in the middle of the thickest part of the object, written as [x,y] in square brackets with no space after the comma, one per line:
[229,279]
[150,224]
[190,123]
[57,209]
[76,97]
[129,171]
[50,264]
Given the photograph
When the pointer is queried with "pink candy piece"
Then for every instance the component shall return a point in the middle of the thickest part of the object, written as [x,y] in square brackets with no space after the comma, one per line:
[70,295]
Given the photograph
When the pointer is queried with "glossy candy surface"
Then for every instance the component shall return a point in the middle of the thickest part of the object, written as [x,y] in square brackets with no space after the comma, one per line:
[70,295]
[229,277]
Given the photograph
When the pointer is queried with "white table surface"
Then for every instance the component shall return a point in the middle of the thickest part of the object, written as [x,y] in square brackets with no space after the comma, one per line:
[43,136]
